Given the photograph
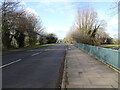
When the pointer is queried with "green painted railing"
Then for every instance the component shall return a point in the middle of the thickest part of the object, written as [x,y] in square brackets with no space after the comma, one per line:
[107,55]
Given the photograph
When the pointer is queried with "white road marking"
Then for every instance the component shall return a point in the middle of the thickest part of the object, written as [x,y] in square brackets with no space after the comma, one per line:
[16,61]
[46,49]
[35,54]
[10,63]
[31,50]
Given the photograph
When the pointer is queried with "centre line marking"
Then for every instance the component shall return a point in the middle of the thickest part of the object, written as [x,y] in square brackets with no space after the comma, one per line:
[46,49]
[10,63]
[35,54]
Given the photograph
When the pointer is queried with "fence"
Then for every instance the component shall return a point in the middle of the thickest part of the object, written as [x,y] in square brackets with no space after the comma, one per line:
[107,55]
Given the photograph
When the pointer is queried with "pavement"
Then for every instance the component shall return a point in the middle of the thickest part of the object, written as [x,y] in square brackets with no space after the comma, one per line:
[84,71]
[38,68]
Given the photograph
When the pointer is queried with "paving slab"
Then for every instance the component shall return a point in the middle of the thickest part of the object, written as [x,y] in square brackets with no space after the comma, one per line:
[84,71]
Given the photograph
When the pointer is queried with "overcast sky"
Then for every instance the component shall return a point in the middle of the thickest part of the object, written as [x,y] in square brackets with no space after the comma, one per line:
[58,17]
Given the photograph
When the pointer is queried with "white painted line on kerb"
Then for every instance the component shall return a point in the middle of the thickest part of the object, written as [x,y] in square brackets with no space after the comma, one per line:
[10,63]
[35,54]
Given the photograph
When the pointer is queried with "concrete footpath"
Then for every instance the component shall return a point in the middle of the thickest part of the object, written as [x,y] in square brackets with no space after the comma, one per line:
[84,71]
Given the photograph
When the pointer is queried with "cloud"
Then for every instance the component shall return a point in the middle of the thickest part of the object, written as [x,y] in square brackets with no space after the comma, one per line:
[71,0]
[112,26]
[113,21]
[59,31]
[22,3]
[31,11]
[53,7]
[47,1]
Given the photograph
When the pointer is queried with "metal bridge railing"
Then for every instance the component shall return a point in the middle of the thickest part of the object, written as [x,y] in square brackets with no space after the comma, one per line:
[107,55]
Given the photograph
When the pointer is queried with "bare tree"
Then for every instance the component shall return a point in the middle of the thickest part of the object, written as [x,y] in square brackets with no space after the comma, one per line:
[34,28]
[87,27]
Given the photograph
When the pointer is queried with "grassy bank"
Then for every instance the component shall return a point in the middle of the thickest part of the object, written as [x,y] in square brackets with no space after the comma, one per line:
[38,46]
[110,46]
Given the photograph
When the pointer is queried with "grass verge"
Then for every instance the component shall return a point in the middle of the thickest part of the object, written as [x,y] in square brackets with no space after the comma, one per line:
[110,45]
[38,46]
[68,44]
[11,51]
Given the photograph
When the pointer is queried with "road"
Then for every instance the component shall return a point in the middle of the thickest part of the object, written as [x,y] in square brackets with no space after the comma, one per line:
[38,68]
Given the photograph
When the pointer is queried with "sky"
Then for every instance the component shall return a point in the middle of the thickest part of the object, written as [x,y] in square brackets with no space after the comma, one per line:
[58,17]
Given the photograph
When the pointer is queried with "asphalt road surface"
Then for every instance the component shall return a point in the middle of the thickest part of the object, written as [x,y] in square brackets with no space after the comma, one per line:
[38,68]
